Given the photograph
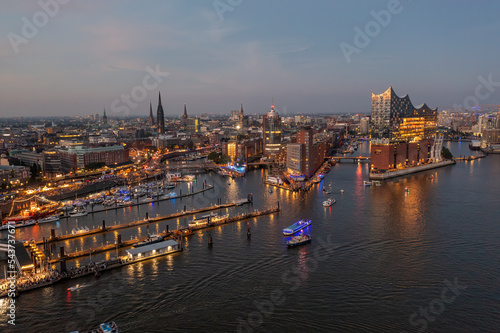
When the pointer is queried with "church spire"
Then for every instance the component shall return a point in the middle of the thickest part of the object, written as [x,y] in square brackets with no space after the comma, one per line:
[104,117]
[160,116]
[185,112]
[151,117]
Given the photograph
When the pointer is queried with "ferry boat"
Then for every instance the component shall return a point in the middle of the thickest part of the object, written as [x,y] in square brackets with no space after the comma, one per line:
[298,240]
[296,227]
[205,219]
[151,239]
[329,202]
[153,250]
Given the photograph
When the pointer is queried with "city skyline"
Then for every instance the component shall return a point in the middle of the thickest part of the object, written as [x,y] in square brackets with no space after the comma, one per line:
[322,58]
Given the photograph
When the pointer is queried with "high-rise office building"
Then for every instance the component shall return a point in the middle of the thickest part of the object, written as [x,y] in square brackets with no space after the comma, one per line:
[305,156]
[160,116]
[271,130]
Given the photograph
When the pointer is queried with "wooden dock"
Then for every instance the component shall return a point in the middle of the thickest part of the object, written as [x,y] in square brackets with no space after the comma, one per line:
[110,247]
[105,229]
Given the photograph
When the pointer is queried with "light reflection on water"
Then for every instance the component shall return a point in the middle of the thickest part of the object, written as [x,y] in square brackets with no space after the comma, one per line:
[394,253]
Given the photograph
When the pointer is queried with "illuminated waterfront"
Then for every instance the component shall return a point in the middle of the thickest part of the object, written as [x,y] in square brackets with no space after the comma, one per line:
[392,253]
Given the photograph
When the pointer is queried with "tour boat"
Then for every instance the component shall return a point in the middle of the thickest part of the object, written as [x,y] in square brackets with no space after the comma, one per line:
[298,240]
[328,202]
[296,227]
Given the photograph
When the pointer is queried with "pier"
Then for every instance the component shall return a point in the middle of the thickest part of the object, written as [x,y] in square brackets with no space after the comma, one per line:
[469,158]
[110,247]
[409,170]
[157,219]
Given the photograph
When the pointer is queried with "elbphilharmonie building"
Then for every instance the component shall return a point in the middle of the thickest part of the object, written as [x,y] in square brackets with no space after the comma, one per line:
[396,119]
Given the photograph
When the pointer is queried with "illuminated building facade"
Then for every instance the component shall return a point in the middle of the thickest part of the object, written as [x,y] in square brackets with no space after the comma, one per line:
[395,118]
[305,156]
[192,125]
[271,126]
[402,134]
[242,150]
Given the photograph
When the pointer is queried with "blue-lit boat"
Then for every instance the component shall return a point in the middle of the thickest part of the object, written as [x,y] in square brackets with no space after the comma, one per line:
[296,227]
[298,240]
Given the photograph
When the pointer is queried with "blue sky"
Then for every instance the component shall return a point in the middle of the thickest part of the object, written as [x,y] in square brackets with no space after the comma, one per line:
[91,53]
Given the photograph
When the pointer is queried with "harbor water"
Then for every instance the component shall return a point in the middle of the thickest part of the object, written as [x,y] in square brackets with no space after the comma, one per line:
[415,254]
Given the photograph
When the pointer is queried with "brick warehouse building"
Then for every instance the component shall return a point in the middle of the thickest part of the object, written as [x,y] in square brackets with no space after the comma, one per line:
[386,156]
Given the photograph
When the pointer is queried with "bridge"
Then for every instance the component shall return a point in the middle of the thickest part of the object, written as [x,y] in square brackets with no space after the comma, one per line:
[354,159]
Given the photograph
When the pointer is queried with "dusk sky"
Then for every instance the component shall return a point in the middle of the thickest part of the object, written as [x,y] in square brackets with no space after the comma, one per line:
[219,55]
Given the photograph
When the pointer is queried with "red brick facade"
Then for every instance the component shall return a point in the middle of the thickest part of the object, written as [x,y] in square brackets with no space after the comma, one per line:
[391,156]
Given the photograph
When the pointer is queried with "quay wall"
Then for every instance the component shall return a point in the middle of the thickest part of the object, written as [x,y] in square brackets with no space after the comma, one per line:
[408,171]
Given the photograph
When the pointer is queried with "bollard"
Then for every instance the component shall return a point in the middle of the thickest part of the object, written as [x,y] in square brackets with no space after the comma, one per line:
[103,225]
[63,265]
[147,216]
[119,239]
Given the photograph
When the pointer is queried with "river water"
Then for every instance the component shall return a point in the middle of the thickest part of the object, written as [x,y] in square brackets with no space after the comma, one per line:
[382,259]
